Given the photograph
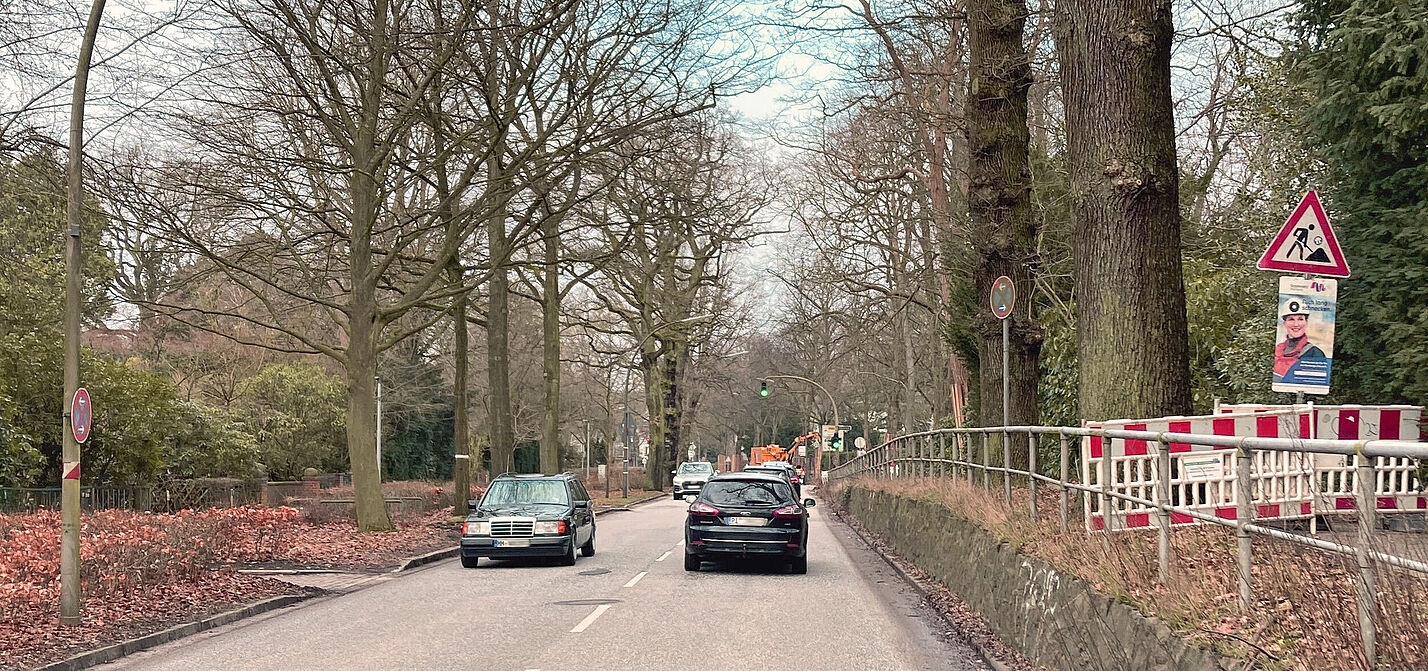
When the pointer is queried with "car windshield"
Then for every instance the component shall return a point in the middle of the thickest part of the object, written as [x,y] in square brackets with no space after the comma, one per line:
[753,493]
[515,492]
[695,467]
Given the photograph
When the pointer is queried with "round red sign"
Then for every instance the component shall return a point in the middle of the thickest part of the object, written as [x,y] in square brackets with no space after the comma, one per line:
[81,415]
[1003,297]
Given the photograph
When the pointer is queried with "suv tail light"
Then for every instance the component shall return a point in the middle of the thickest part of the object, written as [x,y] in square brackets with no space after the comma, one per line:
[703,510]
[788,511]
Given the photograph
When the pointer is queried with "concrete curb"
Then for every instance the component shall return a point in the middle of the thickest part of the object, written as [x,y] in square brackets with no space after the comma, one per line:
[433,556]
[982,652]
[133,645]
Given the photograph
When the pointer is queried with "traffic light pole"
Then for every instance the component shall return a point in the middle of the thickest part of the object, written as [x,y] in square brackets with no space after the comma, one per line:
[818,461]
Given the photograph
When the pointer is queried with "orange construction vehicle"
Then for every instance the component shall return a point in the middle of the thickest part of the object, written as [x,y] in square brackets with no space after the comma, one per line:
[772,452]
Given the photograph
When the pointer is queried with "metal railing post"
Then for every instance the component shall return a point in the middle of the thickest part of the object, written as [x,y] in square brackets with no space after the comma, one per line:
[1108,515]
[942,455]
[1006,467]
[966,440]
[1031,470]
[1065,492]
[1367,594]
[1244,514]
[1162,513]
[987,462]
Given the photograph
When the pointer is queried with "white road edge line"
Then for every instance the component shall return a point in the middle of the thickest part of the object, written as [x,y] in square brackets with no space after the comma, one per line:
[636,579]
[590,619]
[664,556]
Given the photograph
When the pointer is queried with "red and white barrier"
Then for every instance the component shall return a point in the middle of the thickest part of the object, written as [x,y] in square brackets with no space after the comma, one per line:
[1396,485]
[1202,477]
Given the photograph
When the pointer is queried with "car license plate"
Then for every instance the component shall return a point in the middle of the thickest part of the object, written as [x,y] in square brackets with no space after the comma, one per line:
[748,521]
[512,542]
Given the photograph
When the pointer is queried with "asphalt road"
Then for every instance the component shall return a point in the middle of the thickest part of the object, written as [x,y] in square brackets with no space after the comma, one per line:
[849,612]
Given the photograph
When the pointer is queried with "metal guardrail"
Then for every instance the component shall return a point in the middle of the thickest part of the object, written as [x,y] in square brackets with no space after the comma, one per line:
[157,499]
[926,454]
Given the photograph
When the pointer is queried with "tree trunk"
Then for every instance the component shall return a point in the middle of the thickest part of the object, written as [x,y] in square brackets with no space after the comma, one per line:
[653,369]
[999,202]
[550,345]
[498,366]
[1133,349]
[461,469]
[362,404]
[676,353]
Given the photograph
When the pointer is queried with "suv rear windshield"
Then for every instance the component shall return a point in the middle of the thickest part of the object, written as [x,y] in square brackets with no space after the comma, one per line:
[508,492]
[753,493]
[696,467]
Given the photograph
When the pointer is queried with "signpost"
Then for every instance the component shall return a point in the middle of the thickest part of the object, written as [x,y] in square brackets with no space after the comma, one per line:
[1304,332]
[1003,299]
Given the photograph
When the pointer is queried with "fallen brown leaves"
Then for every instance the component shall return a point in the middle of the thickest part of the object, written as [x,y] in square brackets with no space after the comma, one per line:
[142,572]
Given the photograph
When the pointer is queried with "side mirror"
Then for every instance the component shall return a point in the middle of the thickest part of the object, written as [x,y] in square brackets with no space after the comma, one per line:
[672,473]
[473,503]
[583,504]
[809,503]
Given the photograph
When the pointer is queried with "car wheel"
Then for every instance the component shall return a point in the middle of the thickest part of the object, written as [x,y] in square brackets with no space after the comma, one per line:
[677,496]
[799,565]
[691,561]
[588,549]
[569,558]
[470,562]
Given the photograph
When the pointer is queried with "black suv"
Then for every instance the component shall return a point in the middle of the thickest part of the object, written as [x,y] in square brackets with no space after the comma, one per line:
[530,516]
[746,515]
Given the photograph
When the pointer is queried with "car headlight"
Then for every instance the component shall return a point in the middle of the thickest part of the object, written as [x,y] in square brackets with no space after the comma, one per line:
[550,527]
[477,529]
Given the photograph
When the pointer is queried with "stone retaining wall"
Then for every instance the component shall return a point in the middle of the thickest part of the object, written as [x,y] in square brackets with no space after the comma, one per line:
[1052,617]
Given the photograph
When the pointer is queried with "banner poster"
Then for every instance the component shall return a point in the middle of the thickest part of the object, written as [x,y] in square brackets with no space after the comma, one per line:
[1304,335]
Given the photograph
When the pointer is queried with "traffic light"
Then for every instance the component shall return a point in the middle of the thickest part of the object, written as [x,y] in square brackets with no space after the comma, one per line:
[764,388]
[837,442]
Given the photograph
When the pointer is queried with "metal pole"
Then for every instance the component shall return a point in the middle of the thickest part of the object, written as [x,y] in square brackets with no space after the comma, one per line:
[73,264]
[1244,513]
[379,428]
[1031,468]
[1006,467]
[987,462]
[1065,493]
[971,454]
[1368,518]
[1162,496]
[1006,410]
[587,450]
[1108,515]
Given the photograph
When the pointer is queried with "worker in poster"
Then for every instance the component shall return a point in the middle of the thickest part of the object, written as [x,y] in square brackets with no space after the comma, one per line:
[1304,338]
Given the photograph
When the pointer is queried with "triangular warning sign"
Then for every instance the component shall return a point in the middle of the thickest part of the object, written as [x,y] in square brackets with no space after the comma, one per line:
[1306,244]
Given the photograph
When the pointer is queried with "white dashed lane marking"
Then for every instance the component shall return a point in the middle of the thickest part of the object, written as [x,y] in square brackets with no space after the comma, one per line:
[590,619]
[664,556]
[636,579]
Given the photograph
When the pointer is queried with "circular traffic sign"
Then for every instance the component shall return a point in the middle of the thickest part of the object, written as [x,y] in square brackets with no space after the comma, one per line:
[81,415]
[1003,297]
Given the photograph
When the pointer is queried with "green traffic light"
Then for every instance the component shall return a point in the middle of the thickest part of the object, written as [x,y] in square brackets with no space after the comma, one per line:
[764,388]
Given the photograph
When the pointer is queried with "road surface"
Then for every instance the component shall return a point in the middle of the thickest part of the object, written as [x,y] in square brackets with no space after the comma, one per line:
[631,606]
